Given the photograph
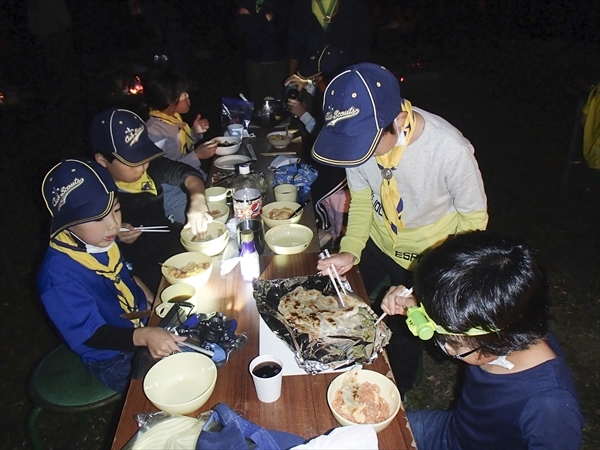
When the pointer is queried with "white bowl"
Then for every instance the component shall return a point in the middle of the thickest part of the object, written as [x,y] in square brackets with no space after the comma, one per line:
[181,383]
[216,230]
[223,150]
[280,139]
[269,207]
[180,260]
[387,390]
[288,239]
[223,210]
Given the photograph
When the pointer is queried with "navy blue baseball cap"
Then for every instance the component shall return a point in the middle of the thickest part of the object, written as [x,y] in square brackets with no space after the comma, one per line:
[328,61]
[124,134]
[358,104]
[77,191]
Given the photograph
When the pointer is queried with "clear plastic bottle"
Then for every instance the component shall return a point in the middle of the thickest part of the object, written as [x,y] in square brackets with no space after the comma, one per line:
[247,200]
[249,263]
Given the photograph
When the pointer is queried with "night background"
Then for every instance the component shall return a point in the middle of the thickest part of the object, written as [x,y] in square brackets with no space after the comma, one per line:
[509,74]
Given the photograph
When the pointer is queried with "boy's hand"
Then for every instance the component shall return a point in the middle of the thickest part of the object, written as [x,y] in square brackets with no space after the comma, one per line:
[198,215]
[128,237]
[206,149]
[200,125]
[343,262]
[159,341]
[296,107]
[393,303]
[295,80]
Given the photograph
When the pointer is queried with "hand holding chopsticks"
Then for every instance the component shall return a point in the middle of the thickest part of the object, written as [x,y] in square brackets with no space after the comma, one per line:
[335,278]
[156,229]
[405,293]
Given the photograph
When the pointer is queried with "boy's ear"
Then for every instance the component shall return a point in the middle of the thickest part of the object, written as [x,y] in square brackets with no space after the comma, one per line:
[100,159]
[401,118]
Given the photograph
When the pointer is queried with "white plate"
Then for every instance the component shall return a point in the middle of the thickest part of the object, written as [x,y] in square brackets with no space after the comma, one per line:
[229,162]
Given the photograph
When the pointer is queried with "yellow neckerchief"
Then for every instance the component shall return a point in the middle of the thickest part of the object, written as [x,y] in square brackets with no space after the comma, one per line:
[144,184]
[390,195]
[64,242]
[186,142]
[324,10]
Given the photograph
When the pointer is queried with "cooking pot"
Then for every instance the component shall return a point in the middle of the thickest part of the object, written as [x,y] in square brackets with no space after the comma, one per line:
[269,112]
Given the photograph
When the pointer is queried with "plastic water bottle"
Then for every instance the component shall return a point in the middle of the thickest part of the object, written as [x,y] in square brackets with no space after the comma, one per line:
[249,264]
[247,200]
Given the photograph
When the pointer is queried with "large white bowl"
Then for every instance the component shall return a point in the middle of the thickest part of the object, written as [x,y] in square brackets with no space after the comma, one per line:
[217,230]
[222,208]
[280,139]
[387,389]
[181,383]
[223,150]
[180,260]
[288,239]
[269,207]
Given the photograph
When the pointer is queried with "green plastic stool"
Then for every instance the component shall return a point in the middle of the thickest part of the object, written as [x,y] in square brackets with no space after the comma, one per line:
[60,383]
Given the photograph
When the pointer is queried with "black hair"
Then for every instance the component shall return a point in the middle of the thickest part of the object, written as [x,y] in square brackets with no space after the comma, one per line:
[109,156]
[163,87]
[390,128]
[481,279]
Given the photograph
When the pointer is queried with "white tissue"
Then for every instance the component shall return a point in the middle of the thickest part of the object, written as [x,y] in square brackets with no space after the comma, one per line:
[353,437]
[282,161]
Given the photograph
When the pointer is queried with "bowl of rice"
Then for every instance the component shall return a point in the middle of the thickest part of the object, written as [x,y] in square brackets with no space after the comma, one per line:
[363,397]
[192,268]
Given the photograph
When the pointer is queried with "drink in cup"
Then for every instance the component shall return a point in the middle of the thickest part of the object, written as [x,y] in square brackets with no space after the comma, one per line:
[267,373]
[285,193]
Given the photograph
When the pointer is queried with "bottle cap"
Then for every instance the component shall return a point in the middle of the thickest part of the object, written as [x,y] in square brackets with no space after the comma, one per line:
[247,236]
[244,169]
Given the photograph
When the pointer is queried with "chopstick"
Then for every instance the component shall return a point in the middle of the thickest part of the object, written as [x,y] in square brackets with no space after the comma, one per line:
[334,279]
[404,293]
[337,275]
[156,229]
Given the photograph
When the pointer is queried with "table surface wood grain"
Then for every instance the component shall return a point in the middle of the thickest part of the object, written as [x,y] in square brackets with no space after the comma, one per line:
[302,408]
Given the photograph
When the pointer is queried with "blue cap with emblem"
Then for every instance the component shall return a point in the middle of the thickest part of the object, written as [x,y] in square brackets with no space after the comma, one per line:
[76,192]
[124,134]
[358,104]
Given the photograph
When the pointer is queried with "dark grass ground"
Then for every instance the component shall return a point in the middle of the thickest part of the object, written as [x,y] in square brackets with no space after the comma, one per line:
[514,98]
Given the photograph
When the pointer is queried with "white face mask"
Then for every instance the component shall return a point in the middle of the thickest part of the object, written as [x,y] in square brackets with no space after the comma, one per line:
[401,140]
[502,362]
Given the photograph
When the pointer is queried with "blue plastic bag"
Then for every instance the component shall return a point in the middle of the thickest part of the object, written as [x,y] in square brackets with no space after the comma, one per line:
[300,175]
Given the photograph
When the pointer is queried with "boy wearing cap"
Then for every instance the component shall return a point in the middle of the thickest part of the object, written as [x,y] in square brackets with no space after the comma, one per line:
[516,391]
[121,144]
[84,284]
[413,181]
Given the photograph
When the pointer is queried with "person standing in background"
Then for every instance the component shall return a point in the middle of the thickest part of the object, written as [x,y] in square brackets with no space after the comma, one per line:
[316,23]
[263,25]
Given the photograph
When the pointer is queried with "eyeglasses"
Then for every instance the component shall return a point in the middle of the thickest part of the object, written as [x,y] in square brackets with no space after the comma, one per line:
[462,356]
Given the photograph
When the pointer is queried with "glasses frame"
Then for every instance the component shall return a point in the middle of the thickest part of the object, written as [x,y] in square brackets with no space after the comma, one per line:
[461,356]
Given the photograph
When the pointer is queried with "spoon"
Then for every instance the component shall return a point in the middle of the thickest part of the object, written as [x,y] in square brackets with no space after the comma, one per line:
[243,97]
[295,213]
[173,267]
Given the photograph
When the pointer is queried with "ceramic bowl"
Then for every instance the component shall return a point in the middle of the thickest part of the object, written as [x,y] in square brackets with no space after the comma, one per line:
[269,207]
[180,260]
[280,139]
[223,149]
[219,211]
[216,239]
[181,383]
[288,239]
[387,389]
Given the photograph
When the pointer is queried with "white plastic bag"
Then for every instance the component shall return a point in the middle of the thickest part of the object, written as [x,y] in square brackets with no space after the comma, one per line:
[353,437]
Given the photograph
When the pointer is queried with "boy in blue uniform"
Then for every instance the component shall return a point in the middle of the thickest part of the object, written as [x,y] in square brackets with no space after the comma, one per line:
[484,298]
[84,284]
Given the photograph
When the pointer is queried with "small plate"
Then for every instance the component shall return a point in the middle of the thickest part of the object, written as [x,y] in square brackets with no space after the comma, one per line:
[229,162]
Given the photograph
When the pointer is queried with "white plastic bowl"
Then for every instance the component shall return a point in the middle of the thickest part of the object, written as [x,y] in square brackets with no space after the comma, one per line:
[223,150]
[181,383]
[288,239]
[180,260]
[217,230]
[213,207]
[280,139]
[269,207]
[387,389]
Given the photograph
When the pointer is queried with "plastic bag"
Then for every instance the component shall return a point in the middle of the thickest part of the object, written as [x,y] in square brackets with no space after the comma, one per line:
[300,175]
[354,437]
[234,110]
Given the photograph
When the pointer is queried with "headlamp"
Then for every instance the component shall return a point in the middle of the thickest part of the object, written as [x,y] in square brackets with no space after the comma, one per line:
[421,325]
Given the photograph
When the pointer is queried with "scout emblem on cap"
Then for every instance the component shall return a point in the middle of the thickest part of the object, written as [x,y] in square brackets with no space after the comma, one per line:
[132,135]
[59,195]
[333,117]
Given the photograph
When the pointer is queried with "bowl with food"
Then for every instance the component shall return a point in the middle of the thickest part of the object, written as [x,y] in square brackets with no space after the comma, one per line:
[278,213]
[219,211]
[211,243]
[280,139]
[227,145]
[288,239]
[181,383]
[188,267]
[363,397]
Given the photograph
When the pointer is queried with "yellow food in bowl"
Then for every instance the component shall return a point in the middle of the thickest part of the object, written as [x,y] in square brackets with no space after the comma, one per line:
[181,261]
[277,213]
